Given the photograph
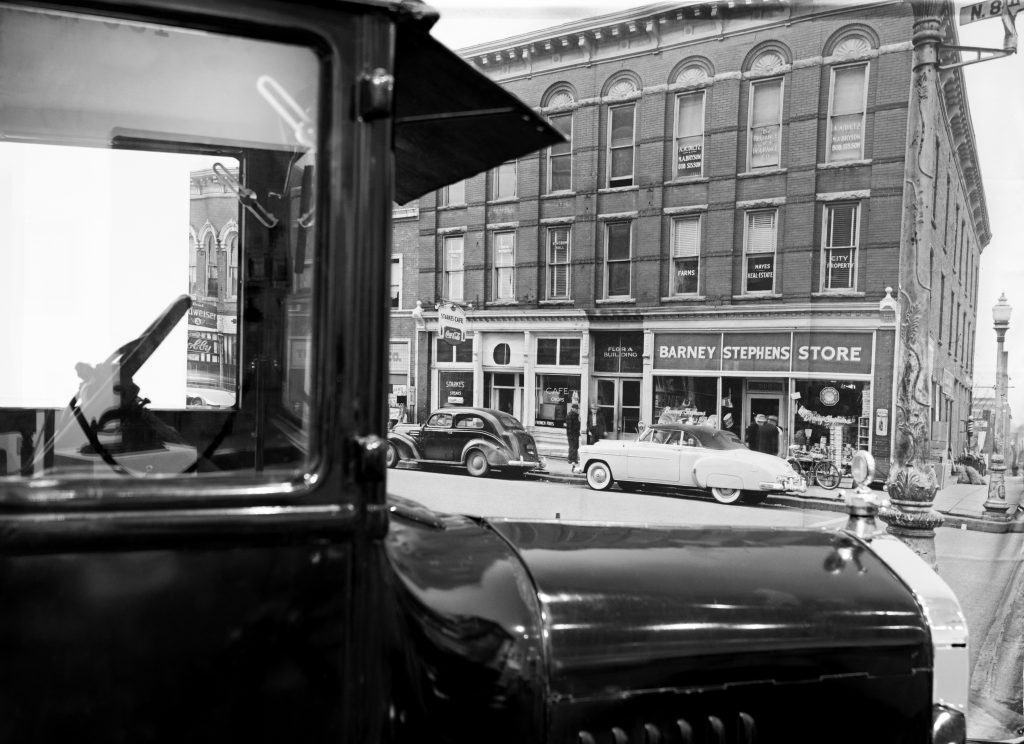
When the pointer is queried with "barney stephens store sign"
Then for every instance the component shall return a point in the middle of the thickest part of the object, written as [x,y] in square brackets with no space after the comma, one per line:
[800,351]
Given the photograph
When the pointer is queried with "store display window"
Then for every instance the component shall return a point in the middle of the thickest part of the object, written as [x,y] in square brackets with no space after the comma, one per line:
[830,415]
[685,399]
[554,394]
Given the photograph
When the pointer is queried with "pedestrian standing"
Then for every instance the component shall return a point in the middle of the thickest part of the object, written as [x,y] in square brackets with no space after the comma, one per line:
[595,425]
[572,432]
[751,433]
[768,439]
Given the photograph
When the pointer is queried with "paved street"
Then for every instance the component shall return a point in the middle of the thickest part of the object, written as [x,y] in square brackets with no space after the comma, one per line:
[982,560]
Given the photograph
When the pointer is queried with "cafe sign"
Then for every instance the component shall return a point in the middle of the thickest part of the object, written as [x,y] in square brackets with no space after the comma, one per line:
[452,323]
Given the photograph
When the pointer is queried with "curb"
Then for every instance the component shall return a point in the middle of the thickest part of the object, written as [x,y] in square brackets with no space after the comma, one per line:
[1013,524]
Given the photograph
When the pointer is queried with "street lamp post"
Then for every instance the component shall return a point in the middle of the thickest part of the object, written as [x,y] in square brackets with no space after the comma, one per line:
[996,501]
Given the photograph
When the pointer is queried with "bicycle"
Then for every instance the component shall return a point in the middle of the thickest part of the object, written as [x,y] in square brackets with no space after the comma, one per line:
[818,469]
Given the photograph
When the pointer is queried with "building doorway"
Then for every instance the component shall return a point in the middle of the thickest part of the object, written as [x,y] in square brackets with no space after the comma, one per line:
[618,401]
[504,391]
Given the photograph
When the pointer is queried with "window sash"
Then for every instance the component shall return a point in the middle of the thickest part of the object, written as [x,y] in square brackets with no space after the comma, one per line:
[453,193]
[560,156]
[846,117]
[764,138]
[760,260]
[685,255]
[396,283]
[504,265]
[558,263]
[840,246]
[621,130]
[453,262]
[689,149]
[504,181]
[686,275]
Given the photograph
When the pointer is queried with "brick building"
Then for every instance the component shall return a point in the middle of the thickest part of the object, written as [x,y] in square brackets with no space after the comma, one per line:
[720,236]
[213,286]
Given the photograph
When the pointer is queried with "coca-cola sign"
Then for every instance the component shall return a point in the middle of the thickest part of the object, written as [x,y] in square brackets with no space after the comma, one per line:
[200,345]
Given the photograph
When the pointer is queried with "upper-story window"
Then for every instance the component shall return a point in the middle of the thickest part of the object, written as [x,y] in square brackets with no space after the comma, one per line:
[846,113]
[193,265]
[759,251]
[685,255]
[504,265]
[621,134]
[618,259]
[504,181]
[232,256]
[558,351]
[558,262]
[764,133]
[689,139]
[454,268]
[839,246]
[212,270]
[560,156]
[454,194]
[396,282]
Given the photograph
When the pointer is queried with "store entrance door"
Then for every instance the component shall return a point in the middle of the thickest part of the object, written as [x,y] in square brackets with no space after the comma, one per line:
[769,405]
[618,399]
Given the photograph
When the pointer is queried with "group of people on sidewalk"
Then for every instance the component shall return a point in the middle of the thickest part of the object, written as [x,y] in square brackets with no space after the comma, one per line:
[573,427]
[765,435]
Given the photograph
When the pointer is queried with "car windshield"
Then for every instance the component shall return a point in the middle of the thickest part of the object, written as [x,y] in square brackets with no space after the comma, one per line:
[153,182]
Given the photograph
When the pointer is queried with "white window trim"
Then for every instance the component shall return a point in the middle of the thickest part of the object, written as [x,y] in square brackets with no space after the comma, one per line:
[607,228]
[557,365]
[494,176]
[497,269]
[698,219]
[774,253]
[550,264]
[548,187]
[448,272]
[444,197]
[863,111]
[750,121]
[703,133]
[397,261]
[608,146]
[823,278]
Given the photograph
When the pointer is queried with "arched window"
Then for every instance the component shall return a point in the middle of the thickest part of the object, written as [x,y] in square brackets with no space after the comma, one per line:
[193,271]
[690,107]
[232,263]
[622,125]
[764,124]
[559,158]
[212,270]
[847,102]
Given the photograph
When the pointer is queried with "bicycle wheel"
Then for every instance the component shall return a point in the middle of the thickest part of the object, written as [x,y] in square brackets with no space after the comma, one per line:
[795,464]
[826,475]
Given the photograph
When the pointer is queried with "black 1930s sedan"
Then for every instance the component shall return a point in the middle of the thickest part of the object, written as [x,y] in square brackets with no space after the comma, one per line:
[479,438]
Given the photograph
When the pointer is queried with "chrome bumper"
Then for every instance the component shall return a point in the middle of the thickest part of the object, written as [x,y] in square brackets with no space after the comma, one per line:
[787,485]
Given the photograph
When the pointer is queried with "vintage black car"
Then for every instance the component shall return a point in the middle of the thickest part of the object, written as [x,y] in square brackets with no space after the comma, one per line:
[189,573]
[482,439]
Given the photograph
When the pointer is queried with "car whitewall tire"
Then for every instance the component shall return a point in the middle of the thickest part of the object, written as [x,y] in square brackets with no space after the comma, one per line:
[726,495]
[599,476]
[391,455]
[476,463]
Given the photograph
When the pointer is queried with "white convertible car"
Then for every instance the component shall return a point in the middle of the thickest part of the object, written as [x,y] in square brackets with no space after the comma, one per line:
[689,456]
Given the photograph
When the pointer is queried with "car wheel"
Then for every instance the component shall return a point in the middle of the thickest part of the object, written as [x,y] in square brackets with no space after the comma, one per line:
[726,495]
[599,476]
[391,455]
[476,463]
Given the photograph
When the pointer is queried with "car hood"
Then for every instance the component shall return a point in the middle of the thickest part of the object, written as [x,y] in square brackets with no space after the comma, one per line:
[656,605]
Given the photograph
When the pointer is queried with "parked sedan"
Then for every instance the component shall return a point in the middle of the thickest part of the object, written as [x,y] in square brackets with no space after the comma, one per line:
[689,456]
[479,438]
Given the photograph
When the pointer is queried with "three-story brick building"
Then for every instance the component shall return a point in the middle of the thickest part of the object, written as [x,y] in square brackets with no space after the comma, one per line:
[719,236]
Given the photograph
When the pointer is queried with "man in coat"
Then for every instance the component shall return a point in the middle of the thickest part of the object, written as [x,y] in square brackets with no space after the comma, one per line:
[768,439]
[595,425]
[572,433]
[751,433]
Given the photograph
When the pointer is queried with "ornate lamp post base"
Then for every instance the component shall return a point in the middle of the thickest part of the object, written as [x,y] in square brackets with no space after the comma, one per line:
[910,516]
[995,505]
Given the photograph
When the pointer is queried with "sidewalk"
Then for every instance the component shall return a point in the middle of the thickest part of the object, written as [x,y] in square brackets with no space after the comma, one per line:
[962,504]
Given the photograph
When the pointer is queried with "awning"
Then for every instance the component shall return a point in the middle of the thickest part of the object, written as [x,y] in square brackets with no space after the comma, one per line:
[451,121]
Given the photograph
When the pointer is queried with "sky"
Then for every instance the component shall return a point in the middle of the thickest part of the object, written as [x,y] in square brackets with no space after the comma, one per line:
[995,90]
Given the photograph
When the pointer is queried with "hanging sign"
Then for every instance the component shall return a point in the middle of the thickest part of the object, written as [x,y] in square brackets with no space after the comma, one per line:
[452,323]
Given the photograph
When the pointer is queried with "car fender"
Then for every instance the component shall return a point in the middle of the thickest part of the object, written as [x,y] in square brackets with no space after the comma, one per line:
[405,445]
[495,455]
[721,472]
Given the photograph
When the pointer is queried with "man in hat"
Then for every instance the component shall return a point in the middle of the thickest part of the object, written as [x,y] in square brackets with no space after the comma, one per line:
[595,425]
[572,433]
[750,435]
[768,439]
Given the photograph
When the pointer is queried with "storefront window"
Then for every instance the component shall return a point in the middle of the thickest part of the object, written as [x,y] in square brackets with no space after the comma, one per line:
[554,394]
[831,416]
[460,353]
[688,400]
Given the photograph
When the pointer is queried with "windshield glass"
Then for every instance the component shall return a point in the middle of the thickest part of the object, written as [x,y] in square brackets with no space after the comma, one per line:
[153,183]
